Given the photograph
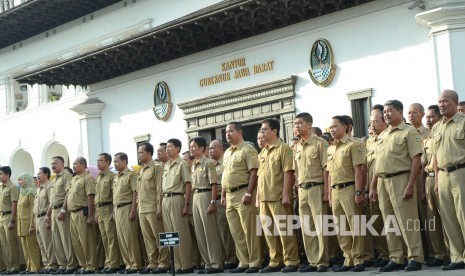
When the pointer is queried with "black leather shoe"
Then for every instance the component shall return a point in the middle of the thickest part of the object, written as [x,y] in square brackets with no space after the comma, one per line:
[238,270]
[185,271]
[454,266]
[230,266]
[31,272]
[359,268]
[381,263]
[201,271]
[22,272]
[58,271]
[110,270]
[289,268]
[145,271]
[344,268]
[413,266]
[253,270]
[308,268]
[268,269]
[434,262]
[122,271]
[130,271]
[368,263]
[87,271]
[213,270]
[159,270]
[11,272]
[391,266]
[322,268]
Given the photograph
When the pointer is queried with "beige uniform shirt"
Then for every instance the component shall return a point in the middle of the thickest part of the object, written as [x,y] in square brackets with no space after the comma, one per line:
[219,172]
[175,176]
[343,155]
[449,141]
[396,147]
[203,173]
[310,159]
[149,187]
[10,194]
[41,202]
[238,161]
[25,217]
[424,133]
[124,184]
[82,185]
[59,187]
[370,147]
[104,187]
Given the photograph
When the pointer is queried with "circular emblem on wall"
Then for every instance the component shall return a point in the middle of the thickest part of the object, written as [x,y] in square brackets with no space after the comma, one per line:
[162,101]
[322,67]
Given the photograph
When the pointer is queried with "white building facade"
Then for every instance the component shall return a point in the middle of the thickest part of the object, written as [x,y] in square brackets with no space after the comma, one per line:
[382,49]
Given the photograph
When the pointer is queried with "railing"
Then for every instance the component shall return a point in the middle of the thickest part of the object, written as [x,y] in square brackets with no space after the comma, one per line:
[6,5]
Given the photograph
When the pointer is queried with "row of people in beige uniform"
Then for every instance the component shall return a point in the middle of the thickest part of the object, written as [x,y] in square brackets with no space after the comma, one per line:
[382,177]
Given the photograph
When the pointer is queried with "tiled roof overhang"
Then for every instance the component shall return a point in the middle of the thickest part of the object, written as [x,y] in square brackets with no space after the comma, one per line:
[219,24]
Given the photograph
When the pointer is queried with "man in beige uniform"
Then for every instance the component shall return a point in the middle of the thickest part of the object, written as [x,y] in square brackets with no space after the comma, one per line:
[8,207]
[80,200]
[276,176]
[60,219]
[439,250]
[377,125]
[310,162]
[177,195]
[104,211]
[161,153]
[204,187]
[449,161]
[345,159]
[149,186]
[216,152]
[238,195]
[397,167]
[43,231]
[125,214]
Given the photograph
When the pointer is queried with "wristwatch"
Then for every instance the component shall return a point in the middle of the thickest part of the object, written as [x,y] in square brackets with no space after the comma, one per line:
[62,211]
[12,221]
[213,201]
[359,192]
[248,195]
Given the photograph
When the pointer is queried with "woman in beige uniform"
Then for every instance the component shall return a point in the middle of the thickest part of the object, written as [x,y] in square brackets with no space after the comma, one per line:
[26,225]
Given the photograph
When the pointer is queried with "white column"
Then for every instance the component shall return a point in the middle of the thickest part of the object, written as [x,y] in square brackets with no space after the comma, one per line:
[446,20]
[33,97]
[91,128]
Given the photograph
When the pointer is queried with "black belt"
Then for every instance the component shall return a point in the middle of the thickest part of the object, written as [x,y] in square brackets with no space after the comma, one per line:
[235,189]
[170,194]
[201,190]
[57,206]
[122,204]
[77,210]
[389,175]
[5,213]
[453,168]
[309,185]
[103,204]
[342,185]
[41,214]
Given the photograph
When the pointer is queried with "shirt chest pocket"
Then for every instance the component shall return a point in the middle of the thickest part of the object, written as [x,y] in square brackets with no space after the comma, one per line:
[459,135]
[6,193]
[201,173]
[344,158]
[370,156]
[397,145]
[237,161]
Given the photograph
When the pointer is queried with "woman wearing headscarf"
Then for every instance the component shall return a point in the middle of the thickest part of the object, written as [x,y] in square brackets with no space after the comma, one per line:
[26,225]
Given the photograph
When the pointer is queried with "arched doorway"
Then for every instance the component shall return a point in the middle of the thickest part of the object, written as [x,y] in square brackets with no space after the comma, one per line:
[54,149]
[21,161]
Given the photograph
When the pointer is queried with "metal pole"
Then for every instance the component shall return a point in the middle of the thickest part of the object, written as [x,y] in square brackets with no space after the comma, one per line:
[172,260]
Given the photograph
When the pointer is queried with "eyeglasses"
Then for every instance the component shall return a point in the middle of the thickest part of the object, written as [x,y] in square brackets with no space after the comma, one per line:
[263,129]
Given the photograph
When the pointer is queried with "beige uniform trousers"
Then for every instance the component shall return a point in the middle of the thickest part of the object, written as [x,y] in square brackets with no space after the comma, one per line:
[61,239]
[451,190]
[344,210]
[127,232]
[380,242]
[242,221]
[282,244]
[405,212]
[10,244]
[225,234]
[83,237]
[44,238]
[206,230]
[151,228]
[31,251]
[311,212]
[175,222]
[107,229]
[437,237]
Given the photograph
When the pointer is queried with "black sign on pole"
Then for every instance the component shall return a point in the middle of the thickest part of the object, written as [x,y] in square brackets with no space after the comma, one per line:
[170,239]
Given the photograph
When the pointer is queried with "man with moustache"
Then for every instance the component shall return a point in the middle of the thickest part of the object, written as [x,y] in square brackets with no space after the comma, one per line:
[43,229]
[310,162]
[80,200]
[125,214]
[104,211]
[399,148]
[149,194]
[59,217]
[439,251]
[216,152]
[449,160]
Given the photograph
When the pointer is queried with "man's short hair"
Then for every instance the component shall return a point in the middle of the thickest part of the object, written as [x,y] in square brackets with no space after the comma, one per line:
[176,142]
[200,142]
[147,147]
[46,171]
[237,125]
[273,123]
[6,170]
[59,158]
[106,156]
[122,156]
[435,107]
[305,116]
[396,104]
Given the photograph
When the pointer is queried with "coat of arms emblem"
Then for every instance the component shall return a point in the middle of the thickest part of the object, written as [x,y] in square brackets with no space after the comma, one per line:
[322,67]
